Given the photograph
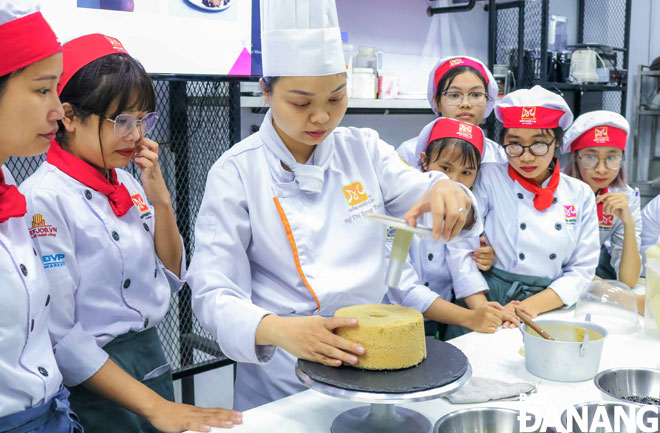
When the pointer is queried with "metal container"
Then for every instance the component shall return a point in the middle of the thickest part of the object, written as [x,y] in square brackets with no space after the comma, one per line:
[483,420]
[563,361]
[617,383]
[626,414]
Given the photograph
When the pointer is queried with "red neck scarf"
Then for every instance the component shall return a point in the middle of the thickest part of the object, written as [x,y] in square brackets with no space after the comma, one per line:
[599,206]
[12,202]
[542,196]
[118,196]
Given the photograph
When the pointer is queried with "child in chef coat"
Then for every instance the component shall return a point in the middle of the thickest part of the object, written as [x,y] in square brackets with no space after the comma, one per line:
[281,239]
[114,256]
[454,148]
[650,225]
[461,88]
[32,397]
[597,143]
[542,224]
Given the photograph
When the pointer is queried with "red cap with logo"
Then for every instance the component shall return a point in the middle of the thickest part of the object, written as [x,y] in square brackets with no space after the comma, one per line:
[597,128]
[82,51]
[26,37]
[450,128]
[534,108]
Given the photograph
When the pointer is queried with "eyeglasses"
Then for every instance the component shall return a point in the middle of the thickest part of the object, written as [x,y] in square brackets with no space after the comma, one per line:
[612,162]
[537,149]
[124,123]
[474,98]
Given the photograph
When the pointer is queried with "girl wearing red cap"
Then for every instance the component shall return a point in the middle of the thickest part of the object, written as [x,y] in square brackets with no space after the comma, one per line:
[464,89]
[113,255]
[32,397]
[541,223]
[454,148]
[597,142]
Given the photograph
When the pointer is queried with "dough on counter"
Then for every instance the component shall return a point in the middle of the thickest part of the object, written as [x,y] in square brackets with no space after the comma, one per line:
[393,336]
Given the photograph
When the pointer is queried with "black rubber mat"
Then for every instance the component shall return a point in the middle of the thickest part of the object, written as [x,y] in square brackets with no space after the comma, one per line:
[443,365]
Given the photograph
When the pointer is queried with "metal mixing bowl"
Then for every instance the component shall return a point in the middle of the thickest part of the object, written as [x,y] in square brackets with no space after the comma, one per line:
[482,420]
[617,383]
[592,416]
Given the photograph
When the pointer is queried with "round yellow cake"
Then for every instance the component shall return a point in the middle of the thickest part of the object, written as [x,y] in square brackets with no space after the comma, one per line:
[392,336]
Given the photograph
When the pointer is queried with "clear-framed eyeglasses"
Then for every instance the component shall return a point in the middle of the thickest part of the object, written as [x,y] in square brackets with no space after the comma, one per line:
[124,123]
[476,99]
[612,162]
[537,149]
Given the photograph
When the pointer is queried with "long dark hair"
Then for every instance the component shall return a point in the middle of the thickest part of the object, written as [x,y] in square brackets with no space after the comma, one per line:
[448,78]
[116,81]
[469,154]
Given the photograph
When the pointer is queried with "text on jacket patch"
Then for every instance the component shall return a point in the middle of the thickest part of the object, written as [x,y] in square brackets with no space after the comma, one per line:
[40,228]
[53,260]
[359,201]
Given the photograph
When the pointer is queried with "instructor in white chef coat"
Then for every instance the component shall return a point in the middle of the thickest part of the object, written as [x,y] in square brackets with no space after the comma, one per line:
[281,238]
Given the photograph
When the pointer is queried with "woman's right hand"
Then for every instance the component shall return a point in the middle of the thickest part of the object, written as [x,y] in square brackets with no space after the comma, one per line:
[311,338]
[172,417]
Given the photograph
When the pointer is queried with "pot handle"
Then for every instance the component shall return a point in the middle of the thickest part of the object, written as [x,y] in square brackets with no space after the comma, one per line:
[587,317]
[520,327]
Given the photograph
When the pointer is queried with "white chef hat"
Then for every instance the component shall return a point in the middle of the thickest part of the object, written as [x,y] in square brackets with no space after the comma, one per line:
[597,128]
[300,38]
[448,63]
[534,108]
[444,127]
[26,36]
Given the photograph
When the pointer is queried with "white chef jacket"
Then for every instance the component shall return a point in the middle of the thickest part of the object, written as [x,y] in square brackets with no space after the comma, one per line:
[245,266]
[105,276]
[650,225]
[493,152]
[611,227]
[560,243]
[28,372]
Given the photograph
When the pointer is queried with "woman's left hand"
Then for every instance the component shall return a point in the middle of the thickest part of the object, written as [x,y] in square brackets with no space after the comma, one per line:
[484,255]
[616,203]
[450,206]
[146,158]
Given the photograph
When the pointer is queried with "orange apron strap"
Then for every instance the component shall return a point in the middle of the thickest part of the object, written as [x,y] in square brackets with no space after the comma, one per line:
[294,249]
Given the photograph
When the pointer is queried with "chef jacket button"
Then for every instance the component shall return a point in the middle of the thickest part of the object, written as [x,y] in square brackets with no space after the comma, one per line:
[430,256]
[47,300]
[521,256]
[554,200]
[553,256]
[127,283]
[426,284]
[34,251]
[557,226]
[146,322]
[88,194]
[523,226]
[115,235]
[146,226]
[43,371]
[32,326]
[520,196]
[23,269]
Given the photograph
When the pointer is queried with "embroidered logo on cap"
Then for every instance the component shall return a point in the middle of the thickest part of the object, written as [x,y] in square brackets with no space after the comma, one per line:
[465,131]
[40,229]
[454,62]
[601,134]
[139,203]
[606,221]
[354,193]
[115,43]
[528,115]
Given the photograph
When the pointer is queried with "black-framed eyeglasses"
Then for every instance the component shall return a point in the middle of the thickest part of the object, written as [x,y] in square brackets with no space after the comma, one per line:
[612,162]
[537,149]
[124,123]
[474,98]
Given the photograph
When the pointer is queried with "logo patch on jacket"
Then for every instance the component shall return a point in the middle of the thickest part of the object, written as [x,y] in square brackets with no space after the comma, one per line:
[53,260]
[40,229]
[570,214]
[354,193]
[606,221]
[139,203]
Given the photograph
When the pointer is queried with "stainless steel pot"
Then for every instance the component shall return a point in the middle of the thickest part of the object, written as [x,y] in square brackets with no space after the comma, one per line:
[617,383]
[483,420]
[614,414]
[563,361]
